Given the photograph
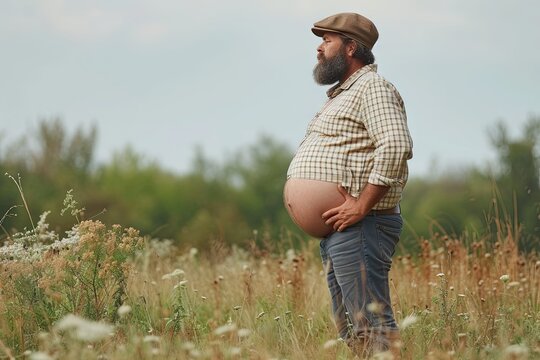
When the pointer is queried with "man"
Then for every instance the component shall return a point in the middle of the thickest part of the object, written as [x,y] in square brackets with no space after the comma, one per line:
[360,142]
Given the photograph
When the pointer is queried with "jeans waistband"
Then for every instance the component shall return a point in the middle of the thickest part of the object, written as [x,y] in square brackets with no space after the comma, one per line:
[391,211]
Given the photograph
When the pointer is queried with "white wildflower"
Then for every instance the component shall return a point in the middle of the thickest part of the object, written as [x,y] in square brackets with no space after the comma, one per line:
[234,351]
[188,346]
[330,344]
[290,254]
[441,275]
[40,356]
[84,330]
[193,252]
[516,351]
[504,278]
[175,273]
[151,339]
[242,333]
[375,307]
[124,310]
[225,329]
[408,321]
[162,247]
[385,355]
[261,314]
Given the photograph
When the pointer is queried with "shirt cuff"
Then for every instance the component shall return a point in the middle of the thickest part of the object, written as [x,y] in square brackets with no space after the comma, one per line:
[377,179]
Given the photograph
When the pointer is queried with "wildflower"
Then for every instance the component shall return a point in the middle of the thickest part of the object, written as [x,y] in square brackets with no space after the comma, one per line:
[188,346]
[386,355]
[504,278]
[290,254]
[408,321]
[193,252]
[195,353]
[203,297]
[237,307]
[182,283]
[40,356]
[244,333]
[225,329]
[124,310]
[83,329]
[277,318]
[516,351]
[260,315]
[151,339]
[234,351]
[176,272]
[441,275]
[461,295]
[375,308]
[330,344]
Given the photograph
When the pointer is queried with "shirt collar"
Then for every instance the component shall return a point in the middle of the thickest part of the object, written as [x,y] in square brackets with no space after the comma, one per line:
[338,88]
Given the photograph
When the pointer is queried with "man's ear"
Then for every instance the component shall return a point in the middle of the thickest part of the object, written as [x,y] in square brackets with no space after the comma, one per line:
[351,48]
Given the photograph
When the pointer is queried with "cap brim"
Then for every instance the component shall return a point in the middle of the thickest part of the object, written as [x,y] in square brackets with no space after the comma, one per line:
[319,31]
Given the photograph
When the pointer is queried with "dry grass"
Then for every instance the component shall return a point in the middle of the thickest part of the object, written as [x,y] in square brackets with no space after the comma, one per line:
[452,301]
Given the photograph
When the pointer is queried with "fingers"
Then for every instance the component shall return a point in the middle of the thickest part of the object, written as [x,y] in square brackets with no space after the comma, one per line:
[330,213]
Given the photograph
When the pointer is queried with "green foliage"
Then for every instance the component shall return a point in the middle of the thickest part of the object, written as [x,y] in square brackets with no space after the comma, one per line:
[240,201]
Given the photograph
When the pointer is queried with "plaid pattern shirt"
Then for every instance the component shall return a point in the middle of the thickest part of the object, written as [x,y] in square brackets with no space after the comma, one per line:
[360,136]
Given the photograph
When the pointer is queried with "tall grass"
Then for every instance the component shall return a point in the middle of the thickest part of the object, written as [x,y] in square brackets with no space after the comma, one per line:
[108,293]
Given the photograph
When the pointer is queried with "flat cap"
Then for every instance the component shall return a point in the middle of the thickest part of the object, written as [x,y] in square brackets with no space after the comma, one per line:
[354,26]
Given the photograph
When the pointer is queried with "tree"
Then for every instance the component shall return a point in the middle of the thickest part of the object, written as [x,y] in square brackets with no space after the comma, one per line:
[519,175]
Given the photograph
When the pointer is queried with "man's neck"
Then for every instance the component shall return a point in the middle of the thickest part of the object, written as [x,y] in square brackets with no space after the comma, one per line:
[354,66]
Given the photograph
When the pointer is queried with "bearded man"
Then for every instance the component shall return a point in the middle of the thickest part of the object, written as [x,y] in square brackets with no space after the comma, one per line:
[346,179]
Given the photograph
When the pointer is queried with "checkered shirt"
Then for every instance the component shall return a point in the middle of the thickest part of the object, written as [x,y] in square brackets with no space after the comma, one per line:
[360,136]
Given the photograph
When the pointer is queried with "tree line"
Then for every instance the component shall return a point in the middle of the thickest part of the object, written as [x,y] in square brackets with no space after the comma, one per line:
[239,201]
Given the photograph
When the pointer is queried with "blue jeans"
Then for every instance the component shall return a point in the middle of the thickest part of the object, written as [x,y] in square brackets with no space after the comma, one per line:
[357,261]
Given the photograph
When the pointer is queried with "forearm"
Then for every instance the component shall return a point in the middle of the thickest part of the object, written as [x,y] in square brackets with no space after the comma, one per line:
[354,209]
[371,194]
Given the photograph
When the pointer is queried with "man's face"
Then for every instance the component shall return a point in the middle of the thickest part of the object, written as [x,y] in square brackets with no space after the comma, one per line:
[332,62]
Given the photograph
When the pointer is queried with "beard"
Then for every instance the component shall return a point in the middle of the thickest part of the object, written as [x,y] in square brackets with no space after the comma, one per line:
[329,71]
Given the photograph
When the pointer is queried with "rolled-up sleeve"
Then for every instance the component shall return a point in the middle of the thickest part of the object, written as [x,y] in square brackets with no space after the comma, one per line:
[386,123]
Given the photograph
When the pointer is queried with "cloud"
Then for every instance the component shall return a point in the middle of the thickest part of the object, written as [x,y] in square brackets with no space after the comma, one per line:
[79,21]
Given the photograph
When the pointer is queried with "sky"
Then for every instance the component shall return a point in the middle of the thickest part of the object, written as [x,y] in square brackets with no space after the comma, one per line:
[167,76]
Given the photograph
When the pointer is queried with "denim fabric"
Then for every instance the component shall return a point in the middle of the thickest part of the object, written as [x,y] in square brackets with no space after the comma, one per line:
[357,261]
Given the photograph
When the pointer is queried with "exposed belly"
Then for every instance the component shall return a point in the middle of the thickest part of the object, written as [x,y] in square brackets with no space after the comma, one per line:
[307,200]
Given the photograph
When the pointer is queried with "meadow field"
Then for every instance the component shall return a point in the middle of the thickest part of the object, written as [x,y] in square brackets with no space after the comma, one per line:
[101,292]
